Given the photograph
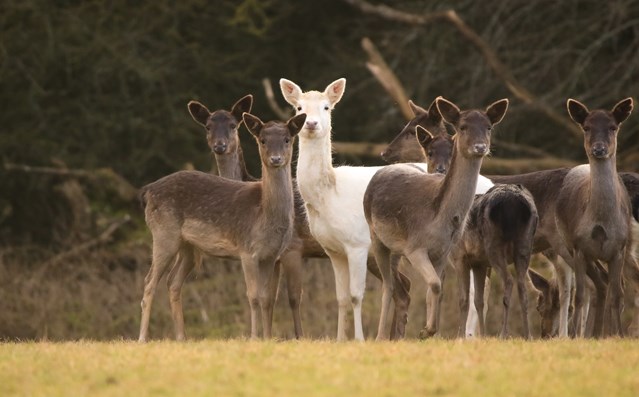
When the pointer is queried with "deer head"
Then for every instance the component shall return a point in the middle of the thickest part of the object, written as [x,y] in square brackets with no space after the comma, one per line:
[275,138]
[438,147]
[600,127]
[472,127]
[221,125]
[317,105]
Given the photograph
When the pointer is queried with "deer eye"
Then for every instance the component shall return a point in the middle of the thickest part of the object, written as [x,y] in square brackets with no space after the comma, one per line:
[326,107]
[429,153]
[299,108]
[287,140]
[612,128]
[490,127]
[233,126]
[586,129]
[263,141]
[463,128]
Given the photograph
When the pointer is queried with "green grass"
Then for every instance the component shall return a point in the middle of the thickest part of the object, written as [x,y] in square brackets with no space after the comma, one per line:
[243,368]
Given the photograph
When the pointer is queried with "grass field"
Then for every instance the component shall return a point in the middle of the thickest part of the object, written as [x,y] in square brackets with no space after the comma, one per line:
[243,368]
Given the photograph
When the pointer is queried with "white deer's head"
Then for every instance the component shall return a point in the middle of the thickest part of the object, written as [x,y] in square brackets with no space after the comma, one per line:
[317,106]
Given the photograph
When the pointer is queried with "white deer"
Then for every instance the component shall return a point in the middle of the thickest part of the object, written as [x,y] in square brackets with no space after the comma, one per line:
[333,198]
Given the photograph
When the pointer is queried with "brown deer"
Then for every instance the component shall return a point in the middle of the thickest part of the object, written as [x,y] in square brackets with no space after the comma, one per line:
[500,227]
[422,216]
[224,141]
[191,211]
[593,209]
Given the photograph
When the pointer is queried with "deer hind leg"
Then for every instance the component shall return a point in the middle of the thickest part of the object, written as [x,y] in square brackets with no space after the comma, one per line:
[522,261]
[401,297]
[175,280]
[595,274]
[631,273]
[165,249]
[357,286]
[420,260]
[383,259]
[340,269]
[292,263]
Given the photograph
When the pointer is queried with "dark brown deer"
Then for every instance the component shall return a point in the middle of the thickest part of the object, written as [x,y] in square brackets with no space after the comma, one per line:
[224,141]
[190,211]
[421,216]
[222,128]
[500,230]
[593,209]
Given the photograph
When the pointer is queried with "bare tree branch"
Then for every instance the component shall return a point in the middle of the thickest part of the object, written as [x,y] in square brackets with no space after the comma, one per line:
[386,77]
[498,67]
[282,114]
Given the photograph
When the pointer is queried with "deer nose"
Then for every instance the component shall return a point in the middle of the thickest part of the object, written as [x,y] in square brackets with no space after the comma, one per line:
[599,150]
[219,147]
[311,125]
[480,148]
[277,160]
[440,169]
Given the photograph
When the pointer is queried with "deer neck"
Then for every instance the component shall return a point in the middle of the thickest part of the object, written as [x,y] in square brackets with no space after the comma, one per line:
[277,196]
[458,187]
[315,171]
[232,166]
[603,187]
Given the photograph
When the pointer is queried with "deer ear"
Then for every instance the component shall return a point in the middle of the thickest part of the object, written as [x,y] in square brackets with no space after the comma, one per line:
[335,90]
[199,112]
[539,282]
[253,123]
[497,110]
[291,91]
[577,111]
[296,123]
[242,106]
[622,110]
[448,110]
[423,136]
[417,110]
[433,113]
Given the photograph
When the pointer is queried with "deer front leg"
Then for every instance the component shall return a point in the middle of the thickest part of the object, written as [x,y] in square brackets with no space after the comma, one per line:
[269,276]
[420,260]
[251,278]
[564,281]
[594,273]
[464,280]
[292,263]
[580,286]
[340,269]
[357,259]
[615,294]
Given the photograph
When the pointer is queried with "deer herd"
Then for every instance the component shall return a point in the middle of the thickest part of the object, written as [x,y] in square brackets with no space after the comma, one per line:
[429,208]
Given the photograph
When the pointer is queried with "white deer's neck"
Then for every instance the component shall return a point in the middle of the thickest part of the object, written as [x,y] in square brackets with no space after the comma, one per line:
[603,187]
[315,171]
[458,188]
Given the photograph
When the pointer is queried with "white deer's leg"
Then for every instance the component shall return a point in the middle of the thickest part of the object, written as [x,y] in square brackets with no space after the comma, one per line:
[165,250]
[340,268]
[357,276]
[472,321]
[564,282]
